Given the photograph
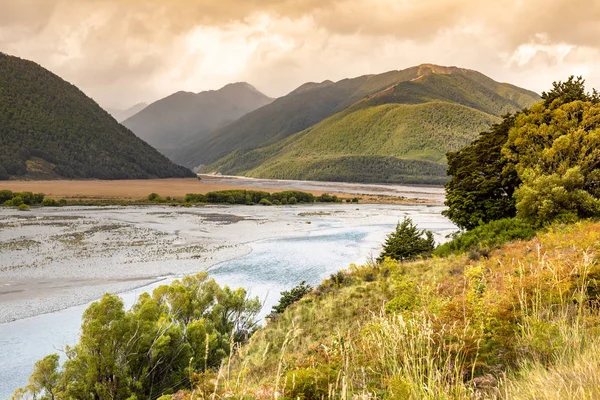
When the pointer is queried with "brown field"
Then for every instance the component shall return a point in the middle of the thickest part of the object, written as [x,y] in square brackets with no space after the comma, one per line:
[139,189]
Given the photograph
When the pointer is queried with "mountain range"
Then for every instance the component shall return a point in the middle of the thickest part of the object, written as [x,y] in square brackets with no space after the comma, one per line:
[122,115]
[50,129]
[392,127]
[169,123]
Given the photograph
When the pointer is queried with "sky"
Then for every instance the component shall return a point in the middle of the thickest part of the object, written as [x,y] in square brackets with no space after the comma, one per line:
[121,52]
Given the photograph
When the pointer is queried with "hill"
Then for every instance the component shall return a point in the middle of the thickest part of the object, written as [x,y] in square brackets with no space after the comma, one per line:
[169,123]
[122,115]
[50,129]
[313,102]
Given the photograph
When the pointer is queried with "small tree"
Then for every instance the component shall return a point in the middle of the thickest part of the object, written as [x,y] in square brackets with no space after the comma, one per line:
[407,242]
[290,297]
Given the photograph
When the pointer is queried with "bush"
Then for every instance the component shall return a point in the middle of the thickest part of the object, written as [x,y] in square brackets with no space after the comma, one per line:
[292,200]
[265,202]
[17,201]
[154,197]
[5,195]
[62,202]
[327,198]
[50,203]
[23,207]
[276,202]
[485,237]
[290,297]
[407,242]
[195,198]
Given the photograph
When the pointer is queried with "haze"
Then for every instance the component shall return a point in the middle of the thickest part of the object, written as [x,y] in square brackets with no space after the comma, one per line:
[121,52]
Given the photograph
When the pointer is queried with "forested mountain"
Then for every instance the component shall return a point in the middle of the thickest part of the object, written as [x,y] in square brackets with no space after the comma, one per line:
[50,129]
[393,127]
[168,123]
[122,115]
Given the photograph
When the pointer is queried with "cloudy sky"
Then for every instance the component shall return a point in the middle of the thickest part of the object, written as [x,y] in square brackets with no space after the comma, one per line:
[121,52]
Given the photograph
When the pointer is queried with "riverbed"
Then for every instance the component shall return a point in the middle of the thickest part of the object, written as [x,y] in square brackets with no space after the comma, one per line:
[54,262]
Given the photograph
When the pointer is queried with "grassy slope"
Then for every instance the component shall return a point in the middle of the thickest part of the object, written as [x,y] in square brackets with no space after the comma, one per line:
[454,328]
[413,139]
[311,103]
[400,134]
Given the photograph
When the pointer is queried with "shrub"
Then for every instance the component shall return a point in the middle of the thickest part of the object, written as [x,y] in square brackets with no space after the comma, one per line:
[154,197]
[23,207]
[17,201]
[276,202]
[5,195]
[265,202]
[50,203]
[62,202]
[487,236]
[195,198]
[407,242]
[291,296]
[292,200]
[355,200]
[327,198]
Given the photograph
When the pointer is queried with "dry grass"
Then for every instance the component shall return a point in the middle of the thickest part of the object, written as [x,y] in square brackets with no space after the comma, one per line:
[140,189]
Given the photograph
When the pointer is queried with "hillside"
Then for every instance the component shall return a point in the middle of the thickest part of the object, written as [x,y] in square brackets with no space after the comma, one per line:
[122,115]
[50,129]
[169,123]
[313,102]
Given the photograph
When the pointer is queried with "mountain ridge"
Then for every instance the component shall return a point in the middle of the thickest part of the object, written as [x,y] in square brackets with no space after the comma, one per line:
[49,129]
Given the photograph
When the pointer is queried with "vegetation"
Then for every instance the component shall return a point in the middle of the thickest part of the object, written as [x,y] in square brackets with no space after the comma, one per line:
[541,165]
[156,347]
[482,239]
[407,242]
[291,296]
[357,100]
[50,129]
[519,324]
[16,199]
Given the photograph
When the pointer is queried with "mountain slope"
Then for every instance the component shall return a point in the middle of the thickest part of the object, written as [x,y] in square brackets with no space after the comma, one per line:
[50,129]
[168,123]
[312,103]
[122,115]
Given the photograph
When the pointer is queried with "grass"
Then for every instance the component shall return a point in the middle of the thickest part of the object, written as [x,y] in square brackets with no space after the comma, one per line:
[522,323]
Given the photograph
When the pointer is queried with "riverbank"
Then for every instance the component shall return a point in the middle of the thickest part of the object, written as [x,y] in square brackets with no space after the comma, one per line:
[132,190]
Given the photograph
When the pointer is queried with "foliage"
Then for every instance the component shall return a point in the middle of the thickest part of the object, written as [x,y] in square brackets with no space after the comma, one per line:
[265,202]
[291,296]
[556,152]
[566,92]
[487,236]
[50,129]
[407,242]
[455,328]
[23,207]
[16,199]
[190,325]
[482,182]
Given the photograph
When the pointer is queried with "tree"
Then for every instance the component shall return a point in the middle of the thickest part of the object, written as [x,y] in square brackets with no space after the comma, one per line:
[571,90]
[291,296]
[156,346]
[556,152]
[407,242]
[482,181]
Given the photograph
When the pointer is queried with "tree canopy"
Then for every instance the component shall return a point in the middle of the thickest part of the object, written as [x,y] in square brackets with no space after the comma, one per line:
[541,164]
[407,242]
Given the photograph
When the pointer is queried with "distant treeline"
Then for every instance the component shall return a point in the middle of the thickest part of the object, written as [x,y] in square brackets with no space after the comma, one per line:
[247,197]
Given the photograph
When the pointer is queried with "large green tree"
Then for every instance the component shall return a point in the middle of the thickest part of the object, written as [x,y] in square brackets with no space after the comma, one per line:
[407,242]
[186,327]
[482,181]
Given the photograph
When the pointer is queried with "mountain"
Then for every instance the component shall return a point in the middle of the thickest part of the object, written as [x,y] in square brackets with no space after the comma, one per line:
[393,127]
[313,102]
[168,123]
[50,129]
[122,115]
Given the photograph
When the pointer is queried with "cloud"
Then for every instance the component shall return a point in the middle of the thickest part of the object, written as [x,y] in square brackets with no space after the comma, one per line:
[124,51]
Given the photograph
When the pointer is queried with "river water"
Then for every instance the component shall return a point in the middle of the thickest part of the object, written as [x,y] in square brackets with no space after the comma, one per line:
[276,263]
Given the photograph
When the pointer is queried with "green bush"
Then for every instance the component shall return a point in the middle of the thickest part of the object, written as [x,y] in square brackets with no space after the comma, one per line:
[407,242]
[5,195]
[292,200]
[327,198]
[487,236]
[62,202]
[154,197]
[50,203]
[23,207]
[276,202]
[195,198]
[291,296]
[17,201]
[265,202]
